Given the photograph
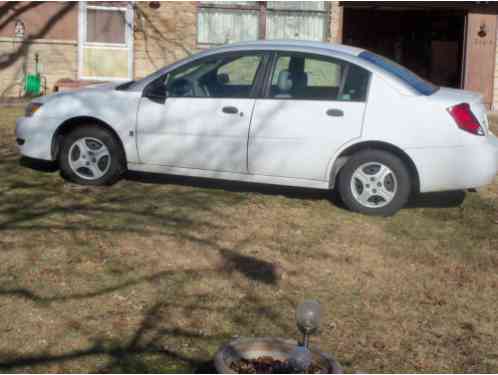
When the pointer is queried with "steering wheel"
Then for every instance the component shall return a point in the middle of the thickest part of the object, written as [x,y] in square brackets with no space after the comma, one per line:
[182,87]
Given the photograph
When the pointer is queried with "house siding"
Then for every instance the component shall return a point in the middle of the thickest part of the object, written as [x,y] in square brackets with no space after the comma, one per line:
[335,22]
[495,82]
[163,35]
[50,31]
[47,20]
[57,59]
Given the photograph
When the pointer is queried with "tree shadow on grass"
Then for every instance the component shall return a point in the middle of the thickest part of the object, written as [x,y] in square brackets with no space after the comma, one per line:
[144,352]
[156,345]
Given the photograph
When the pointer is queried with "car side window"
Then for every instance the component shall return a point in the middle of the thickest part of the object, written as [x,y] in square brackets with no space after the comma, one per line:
[226,76]
[240,72]
[301,76]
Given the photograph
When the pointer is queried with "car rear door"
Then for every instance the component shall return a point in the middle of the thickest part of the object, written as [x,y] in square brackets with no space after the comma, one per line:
[203,122]
[312,105]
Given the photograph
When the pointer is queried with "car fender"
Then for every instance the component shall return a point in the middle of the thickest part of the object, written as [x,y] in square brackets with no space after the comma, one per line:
[340,157]
[118,114]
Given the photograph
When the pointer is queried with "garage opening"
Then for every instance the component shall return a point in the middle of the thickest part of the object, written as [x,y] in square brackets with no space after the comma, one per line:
[428,42]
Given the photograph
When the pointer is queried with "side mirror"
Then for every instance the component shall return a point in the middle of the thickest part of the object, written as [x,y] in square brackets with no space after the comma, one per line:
[223,78]
[155,92]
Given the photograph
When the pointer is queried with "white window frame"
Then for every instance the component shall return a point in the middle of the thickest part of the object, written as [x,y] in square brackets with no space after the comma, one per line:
[263,10]
[82,36]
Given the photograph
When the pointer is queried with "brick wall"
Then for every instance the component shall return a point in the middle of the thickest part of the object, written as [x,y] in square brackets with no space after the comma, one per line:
[494,106]
[163,35]
[58,59]
[335,22]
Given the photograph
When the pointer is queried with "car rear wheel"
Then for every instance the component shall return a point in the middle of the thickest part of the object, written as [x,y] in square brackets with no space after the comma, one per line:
[91,155]
[374,182]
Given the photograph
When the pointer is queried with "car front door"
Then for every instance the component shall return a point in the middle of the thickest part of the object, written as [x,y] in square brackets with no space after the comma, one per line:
[198,115]
[313,105]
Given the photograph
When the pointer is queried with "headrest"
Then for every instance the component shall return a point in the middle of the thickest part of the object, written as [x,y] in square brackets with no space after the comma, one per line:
[300,80]
[296,64]
[284,81]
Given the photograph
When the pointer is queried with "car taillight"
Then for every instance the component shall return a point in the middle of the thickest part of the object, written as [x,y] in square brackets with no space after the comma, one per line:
[465,119]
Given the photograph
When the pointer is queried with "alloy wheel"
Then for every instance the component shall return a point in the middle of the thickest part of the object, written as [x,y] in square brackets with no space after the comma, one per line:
[374,185]
[89,158]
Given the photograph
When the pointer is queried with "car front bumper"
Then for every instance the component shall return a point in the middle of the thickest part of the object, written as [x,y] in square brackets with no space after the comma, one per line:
[33,140]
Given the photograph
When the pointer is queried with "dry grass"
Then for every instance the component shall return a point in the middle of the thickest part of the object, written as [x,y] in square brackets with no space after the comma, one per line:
[153,277]
[493,122]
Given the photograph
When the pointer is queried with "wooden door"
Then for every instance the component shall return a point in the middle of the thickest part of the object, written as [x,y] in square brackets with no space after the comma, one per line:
[481,54]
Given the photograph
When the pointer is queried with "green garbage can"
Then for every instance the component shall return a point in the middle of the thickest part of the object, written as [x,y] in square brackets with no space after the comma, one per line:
[32,85]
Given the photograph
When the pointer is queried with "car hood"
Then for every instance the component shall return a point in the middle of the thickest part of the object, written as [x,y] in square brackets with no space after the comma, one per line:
[98,88]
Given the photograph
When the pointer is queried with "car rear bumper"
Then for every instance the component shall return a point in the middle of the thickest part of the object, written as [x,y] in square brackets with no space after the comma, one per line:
[33,140]
[455,168]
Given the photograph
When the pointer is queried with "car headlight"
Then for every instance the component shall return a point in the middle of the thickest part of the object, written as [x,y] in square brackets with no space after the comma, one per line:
[32,108]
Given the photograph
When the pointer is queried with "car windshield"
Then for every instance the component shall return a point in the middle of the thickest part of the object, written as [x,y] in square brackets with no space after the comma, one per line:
[419,84]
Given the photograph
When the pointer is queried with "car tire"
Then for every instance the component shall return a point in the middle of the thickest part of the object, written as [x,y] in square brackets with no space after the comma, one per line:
[374,182]
[91,155]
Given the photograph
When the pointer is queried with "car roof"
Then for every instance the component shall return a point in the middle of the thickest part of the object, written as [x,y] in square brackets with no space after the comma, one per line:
[279,44]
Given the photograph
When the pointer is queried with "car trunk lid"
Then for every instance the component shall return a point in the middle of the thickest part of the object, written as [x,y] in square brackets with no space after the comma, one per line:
[450,97]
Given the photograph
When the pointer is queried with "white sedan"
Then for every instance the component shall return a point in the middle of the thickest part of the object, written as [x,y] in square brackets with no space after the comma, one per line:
[277,112]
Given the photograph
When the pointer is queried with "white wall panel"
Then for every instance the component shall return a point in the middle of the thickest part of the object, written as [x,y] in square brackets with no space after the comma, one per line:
[219,26]
[287,25]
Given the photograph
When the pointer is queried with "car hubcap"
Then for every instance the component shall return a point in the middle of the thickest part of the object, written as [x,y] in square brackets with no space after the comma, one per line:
[374,185]
[89,158]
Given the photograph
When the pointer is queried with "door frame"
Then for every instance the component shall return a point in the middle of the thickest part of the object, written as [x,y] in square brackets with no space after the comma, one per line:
[82,22]
[468,60]
[255,93]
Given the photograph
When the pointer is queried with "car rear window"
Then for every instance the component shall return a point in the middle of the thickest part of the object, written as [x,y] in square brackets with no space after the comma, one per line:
[419,84]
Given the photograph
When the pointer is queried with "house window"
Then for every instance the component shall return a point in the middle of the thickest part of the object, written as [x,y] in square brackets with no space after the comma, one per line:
[225,22]
[296,20]
[106,26]
[105,40]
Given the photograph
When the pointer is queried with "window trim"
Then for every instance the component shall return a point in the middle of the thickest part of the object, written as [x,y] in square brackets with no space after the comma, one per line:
[201,6]
[82,43]
[256,88]
[106,9]
[265,94]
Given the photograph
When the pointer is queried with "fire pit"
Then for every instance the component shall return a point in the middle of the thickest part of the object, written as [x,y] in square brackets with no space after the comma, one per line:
[270,355]
[231,356]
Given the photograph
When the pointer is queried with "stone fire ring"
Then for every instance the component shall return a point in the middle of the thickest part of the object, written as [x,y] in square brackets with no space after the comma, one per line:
[251,348]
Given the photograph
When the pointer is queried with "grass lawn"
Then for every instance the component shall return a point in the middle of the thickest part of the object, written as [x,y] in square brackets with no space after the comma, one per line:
[152,275]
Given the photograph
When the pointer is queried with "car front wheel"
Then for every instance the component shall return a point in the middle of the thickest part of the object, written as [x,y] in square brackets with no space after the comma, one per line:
[374,182]
[91,155]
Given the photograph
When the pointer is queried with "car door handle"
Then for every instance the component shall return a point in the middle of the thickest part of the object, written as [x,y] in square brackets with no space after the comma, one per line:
[230,110]
[334,112]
